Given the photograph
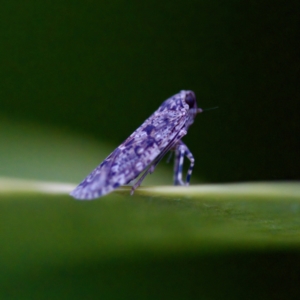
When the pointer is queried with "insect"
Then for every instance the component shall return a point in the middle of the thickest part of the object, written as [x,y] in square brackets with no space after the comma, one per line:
[144,149]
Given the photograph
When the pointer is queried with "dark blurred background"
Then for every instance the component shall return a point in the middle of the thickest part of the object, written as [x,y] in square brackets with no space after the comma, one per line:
[100,68]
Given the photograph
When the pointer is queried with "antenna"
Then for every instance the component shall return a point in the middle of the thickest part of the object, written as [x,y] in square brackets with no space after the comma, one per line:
[210,108]
[200,110]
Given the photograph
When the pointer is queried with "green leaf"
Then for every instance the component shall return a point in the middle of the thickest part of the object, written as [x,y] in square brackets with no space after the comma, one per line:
[160,230]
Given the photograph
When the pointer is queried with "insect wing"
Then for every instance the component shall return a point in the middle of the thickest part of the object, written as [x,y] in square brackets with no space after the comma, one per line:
[94,185]
[142,147]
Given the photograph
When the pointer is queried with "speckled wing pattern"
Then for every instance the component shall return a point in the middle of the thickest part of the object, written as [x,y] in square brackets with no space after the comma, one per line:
[145,146]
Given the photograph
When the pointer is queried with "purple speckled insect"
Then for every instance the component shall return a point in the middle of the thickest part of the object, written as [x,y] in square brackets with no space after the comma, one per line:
[144,148]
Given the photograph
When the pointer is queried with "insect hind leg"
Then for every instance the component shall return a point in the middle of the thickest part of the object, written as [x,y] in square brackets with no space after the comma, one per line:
[181,151]
[150,170]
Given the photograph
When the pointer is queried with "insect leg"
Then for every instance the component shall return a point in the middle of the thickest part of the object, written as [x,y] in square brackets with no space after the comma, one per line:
[140,180]
[178,166]
[169,157]
[150,170]
[190,156]
[182,150]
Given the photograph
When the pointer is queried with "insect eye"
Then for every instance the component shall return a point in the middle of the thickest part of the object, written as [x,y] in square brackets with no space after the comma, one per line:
[190,100]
